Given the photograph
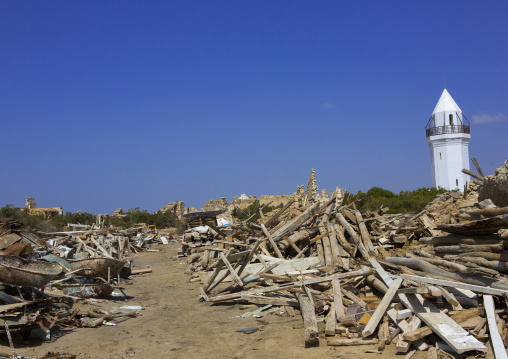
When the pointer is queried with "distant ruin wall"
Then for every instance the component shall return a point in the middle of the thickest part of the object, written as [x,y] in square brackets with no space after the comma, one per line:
[47,212]
[275,200]
[177,208]
[215,205]
[242,201]
[30,203]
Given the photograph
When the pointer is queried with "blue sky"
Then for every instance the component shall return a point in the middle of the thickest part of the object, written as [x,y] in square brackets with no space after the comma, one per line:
[108,104]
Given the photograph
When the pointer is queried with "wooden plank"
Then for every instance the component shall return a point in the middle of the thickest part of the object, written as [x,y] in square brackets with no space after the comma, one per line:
[450,298]
[274,218]
[495,338]
[405,327]
[363,272]
[345,342]
[477,166]
[272,242]
[383,335]
[481,226]
[276,301]
[364,233]
[380,271]
[218,268]
[429,225]
[381,309]
[460,318]
[472,174]
[296,222]
[441,324]
[414,290]
[337,299]
[344,223]
[354,298]
[402,346]
[453,284]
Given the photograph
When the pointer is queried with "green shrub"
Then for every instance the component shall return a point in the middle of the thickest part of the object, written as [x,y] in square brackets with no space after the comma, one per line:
[404,201]
[57,223]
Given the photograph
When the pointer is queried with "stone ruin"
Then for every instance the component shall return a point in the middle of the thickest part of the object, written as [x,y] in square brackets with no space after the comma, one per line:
[177,208]
[243,201]
[312,191]
[31,206]
[118,213]
[215,205]
[30,203]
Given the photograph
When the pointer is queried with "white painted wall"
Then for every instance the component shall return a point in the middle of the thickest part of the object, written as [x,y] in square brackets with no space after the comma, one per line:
[449,155]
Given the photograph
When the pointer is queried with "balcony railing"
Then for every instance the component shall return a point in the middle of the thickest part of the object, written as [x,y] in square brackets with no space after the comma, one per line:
[445,130]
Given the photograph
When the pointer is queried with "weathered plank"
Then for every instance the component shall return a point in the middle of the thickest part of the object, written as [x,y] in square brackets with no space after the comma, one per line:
[363,272]
[453,284]
[381,309]
[310,329]
[451,332]
[403,325]
[337,300]
[495,338]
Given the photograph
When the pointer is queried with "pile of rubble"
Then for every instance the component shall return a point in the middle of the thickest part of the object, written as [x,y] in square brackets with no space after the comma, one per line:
[43,275]
[433,281]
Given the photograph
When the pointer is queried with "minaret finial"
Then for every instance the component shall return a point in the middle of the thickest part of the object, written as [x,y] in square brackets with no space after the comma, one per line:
[444,76]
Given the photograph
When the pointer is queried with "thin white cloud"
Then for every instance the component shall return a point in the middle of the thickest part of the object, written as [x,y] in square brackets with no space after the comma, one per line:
[481,118]
[328,105]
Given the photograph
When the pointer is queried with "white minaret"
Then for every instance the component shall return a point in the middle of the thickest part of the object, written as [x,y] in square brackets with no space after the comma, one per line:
[448,138]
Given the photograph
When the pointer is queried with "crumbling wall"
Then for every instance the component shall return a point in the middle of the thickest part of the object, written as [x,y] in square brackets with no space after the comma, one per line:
[30,203]
[312,191]
[47,212]
[215,205]
[118,213]
[190,210]
[275,200]
[495,187]
[325,196]
[243,201]
[177,208]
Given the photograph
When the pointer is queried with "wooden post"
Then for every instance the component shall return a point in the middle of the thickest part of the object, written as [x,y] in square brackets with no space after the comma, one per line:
[477,166]
[331,322]
[310,329]
[364,232]
[337,300]
[353,235]
[274,245]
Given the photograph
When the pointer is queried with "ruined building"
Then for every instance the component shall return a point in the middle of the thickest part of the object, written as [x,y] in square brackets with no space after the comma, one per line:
[312,189]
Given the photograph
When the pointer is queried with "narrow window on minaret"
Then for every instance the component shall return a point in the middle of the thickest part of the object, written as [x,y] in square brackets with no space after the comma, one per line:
[457,182]
[451,120]
[440,156]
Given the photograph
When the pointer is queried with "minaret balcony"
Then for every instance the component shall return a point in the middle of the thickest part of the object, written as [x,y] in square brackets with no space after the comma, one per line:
[445,130]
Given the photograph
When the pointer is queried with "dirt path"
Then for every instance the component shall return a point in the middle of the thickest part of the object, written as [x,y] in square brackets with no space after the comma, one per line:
[175,325]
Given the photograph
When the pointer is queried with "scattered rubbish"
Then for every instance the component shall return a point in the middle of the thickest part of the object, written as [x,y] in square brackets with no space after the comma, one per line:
[132,307]
[247,330]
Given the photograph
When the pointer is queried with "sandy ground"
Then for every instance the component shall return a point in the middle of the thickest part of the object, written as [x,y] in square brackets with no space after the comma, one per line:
[174,324]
